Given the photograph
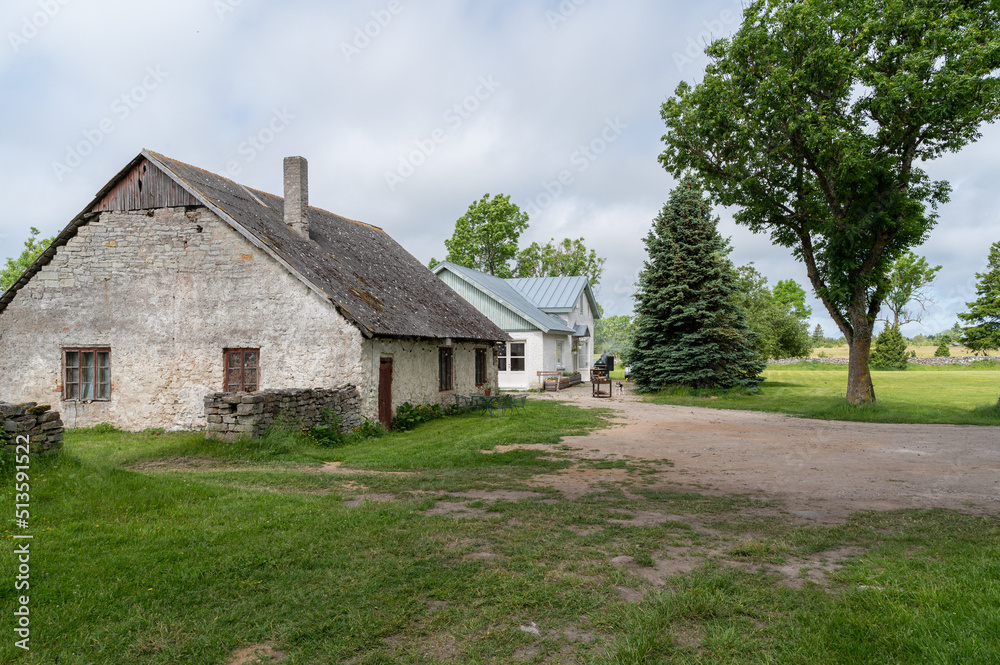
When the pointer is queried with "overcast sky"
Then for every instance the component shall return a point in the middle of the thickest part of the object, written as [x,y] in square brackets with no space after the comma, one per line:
[407,112]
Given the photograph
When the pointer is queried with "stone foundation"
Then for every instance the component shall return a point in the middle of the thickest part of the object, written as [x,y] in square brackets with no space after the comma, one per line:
[248,415]
[42,426]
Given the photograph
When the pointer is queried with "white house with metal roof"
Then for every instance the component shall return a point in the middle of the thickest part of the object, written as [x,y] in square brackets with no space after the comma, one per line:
[551,321]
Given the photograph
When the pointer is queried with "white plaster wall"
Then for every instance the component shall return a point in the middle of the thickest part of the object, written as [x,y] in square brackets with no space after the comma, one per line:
[415,371]
[582,315]
[168,290]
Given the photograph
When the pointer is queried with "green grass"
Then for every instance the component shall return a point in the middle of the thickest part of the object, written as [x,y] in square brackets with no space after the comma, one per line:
[922,394]
[164,548]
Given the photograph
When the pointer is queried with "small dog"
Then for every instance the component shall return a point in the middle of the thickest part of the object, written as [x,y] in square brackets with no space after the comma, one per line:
[621,388]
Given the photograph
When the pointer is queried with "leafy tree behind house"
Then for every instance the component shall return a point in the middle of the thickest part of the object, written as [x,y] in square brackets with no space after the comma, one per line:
[781,333]
[982,330]
[568,258]
[815,119]
[613,335]
[908,281]
[15,267]
[689,329]
[817,335]
[485,237]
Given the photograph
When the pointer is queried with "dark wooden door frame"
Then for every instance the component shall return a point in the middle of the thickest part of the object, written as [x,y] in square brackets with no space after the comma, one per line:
[385,392]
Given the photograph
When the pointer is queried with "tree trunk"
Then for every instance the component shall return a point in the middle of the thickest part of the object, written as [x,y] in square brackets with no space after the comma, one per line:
[860,390]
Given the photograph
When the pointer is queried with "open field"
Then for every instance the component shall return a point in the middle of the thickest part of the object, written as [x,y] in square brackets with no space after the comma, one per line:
[922,351]
[454,543]
[955,394]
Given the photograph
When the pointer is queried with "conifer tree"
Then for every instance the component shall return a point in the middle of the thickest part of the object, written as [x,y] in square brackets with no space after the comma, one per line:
[689,330]
[890,350]
[942,351]
[983,318]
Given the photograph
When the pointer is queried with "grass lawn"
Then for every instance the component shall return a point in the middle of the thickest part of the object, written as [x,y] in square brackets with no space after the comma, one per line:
[165,548]
[954,394]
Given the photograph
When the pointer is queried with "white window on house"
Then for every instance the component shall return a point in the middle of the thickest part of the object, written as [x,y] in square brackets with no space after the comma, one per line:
[86,374]
[559,355]
[510,357]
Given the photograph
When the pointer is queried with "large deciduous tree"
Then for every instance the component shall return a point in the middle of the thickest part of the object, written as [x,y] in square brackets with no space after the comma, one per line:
[15,267]
[568,258]
[983,318]
[814,119]
[485,237]
[908,281]
[689,329]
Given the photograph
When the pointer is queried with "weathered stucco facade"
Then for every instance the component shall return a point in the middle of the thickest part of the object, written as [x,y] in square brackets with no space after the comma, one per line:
[171,266]
[167,290]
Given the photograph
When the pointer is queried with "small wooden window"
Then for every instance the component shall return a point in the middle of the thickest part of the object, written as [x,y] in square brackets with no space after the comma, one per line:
[480,367]
[511,357]
[242,370]
[444,369]
[87,374]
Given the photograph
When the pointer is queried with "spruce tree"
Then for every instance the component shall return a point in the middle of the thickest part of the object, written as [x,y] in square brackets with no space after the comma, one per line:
[689,330]
[983,317]
[942,351]
[890,350]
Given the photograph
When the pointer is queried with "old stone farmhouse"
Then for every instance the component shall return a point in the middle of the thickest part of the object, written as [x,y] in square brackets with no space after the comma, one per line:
[175,282]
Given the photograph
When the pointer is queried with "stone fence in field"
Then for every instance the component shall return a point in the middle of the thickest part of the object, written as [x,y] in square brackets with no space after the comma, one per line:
[945,360]
[248,415]
[42,426]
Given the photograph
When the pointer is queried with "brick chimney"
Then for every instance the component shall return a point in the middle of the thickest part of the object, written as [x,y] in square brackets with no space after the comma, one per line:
[297,195]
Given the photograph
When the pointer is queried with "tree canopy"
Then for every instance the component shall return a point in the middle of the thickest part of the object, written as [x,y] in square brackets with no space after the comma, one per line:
[689,328]
[781,332]
[613,335]
[908,281]
[485,237]
[15,267]
[983,318]
[814,119]
[568,258]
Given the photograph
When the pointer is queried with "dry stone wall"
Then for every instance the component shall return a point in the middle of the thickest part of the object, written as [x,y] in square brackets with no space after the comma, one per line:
[42,426]
[945,360]
[232,416]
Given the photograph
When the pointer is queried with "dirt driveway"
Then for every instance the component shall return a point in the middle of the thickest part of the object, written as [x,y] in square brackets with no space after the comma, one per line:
[824,470]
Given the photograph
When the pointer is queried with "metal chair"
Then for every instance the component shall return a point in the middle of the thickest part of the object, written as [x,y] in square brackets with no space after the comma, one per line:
[518,402]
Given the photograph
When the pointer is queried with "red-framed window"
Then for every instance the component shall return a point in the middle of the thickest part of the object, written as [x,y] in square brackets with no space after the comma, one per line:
[87,374]
[445,357]
[480,367]
[242,370]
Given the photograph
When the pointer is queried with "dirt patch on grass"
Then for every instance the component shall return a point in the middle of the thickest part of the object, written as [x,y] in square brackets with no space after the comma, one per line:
[335,467]
[256,654]
[183,464]
[460,509]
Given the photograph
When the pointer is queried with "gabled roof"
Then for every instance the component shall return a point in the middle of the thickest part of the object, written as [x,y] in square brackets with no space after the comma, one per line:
[358,268]
[503,291]
[557,295]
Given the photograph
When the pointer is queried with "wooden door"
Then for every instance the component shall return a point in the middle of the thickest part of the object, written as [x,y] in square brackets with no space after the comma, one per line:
[385,392]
